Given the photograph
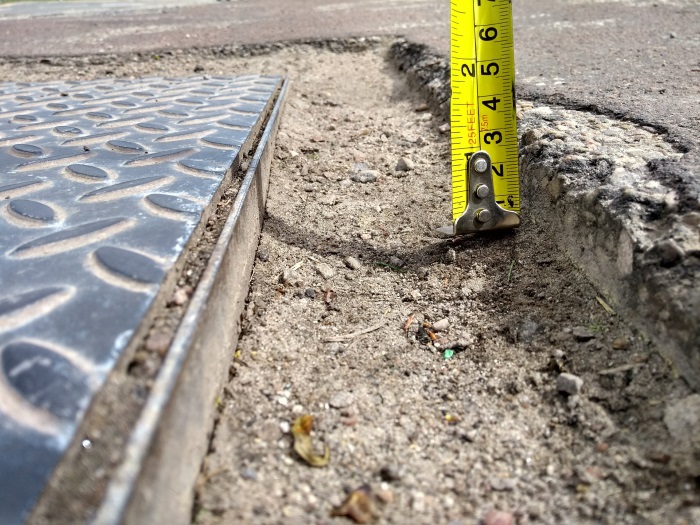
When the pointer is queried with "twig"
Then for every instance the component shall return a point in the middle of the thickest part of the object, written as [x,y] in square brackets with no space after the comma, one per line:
[510,269]
[618,369]
[409,322]
[349,337]
[605,305]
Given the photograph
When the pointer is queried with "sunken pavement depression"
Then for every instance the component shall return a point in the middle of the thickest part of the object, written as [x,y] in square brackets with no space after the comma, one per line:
[106,185]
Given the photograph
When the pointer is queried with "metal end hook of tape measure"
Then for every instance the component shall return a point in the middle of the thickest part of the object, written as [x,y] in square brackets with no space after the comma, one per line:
[483,212]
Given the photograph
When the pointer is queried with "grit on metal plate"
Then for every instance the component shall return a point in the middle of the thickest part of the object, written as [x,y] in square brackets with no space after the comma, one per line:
[440,439]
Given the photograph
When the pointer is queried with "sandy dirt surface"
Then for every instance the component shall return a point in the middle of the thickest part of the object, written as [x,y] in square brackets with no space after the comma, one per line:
[467,381]
[439,439]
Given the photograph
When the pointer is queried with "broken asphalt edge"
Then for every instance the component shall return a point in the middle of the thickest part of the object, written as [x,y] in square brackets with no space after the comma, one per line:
[628,267]
[155,481]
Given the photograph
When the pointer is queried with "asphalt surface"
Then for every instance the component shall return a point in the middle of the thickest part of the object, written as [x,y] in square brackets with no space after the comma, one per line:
[639,59]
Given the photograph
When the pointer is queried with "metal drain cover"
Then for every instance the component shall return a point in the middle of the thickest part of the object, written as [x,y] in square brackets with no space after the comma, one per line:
[102,185]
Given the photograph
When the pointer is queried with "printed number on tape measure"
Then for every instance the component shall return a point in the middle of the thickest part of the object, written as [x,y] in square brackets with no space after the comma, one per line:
[485,181]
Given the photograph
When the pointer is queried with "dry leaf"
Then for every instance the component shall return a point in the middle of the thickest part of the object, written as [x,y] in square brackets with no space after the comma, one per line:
[358,506]
[301,430]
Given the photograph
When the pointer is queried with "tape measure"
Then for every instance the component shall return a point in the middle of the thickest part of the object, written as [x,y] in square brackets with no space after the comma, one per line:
[485,181]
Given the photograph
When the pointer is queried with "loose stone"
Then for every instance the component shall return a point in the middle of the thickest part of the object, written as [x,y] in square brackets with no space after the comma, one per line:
[249,474]
[287,276]
[497,517]
[365,176]
[683,420]
[502,484]
[341,400]
[405,164]
[582,334]
[395,261]
[352,263]
[441,325]
[325,271]
[569,384]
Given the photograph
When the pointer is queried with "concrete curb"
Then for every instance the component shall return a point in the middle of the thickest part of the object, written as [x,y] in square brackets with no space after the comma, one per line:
[642,252]
[154,483]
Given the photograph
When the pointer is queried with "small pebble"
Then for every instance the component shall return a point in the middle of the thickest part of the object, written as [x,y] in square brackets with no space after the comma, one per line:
[284,427]
[352,263]
[287,276]
[441,325]
[341,400]
[497,517]
[527,330]
[405,164]
[620,343]
[325,271]
[180,296]
[569,384]
[336,348]
[249,474]
[682,419]
[385,496]
[158,342]
[451,256]
[263,256]
[418,504]
[502,484]
[310,293]
[582,334]
[395,261]
[365,176]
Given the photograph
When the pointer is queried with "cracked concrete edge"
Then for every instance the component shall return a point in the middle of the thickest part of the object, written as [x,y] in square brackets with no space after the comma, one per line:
[155,481]
[643,256]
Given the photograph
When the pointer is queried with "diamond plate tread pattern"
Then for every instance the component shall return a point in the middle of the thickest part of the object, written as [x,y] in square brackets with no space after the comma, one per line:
[102,184]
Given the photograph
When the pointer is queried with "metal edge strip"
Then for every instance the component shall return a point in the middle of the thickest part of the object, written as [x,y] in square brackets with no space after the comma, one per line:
[147,486]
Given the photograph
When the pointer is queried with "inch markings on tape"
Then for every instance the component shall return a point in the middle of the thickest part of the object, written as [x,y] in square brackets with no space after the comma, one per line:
[485,180]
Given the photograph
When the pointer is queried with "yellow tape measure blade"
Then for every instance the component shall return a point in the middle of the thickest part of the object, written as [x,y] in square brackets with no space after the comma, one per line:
[483,99]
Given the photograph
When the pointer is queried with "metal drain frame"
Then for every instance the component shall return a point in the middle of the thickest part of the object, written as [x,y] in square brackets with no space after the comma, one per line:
[154,482]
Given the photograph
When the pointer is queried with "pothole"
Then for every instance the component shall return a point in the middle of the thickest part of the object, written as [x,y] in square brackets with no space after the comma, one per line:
[440,437]
[618,198]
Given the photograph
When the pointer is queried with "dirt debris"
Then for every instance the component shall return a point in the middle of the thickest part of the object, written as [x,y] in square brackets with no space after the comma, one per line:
[480,436]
